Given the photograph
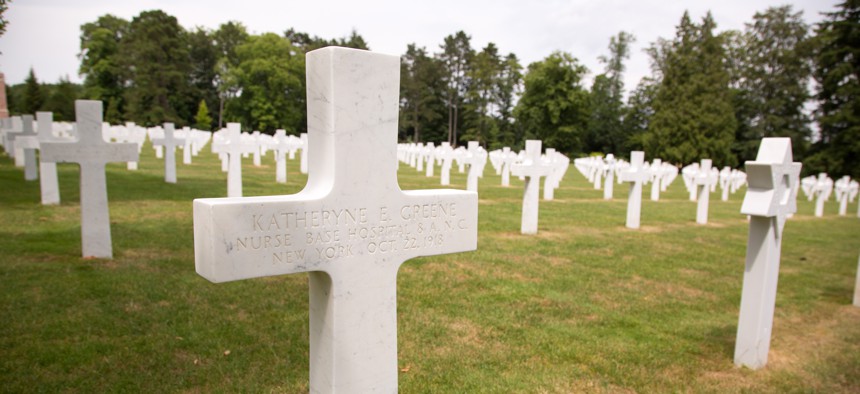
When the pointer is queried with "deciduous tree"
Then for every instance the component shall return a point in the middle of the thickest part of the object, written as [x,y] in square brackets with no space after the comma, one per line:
[554,105]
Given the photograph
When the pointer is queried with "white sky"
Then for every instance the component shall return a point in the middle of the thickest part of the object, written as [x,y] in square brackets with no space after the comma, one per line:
[44,34]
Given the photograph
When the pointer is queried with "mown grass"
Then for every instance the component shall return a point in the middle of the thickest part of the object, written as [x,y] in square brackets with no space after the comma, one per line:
[584,306]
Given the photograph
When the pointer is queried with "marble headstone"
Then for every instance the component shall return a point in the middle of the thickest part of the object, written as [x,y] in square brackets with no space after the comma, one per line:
[773,183]
[635,175]
[92,153]
[351,227]
[532,168]
[703,181]
[169,143]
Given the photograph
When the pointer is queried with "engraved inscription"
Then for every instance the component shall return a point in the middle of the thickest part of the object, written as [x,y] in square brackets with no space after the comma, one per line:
[306,236]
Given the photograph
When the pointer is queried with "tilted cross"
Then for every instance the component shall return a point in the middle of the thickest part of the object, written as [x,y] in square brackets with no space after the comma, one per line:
[772,195]
[92,153]
[351,227]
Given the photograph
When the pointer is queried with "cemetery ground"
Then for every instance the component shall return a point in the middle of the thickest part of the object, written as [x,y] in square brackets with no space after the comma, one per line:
[586,305]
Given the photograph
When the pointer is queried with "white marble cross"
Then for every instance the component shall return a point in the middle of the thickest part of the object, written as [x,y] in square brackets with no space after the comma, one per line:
[702,182]
[688,174]
[636,175]
[445,154]
[282,146]
[559,164]
[420,157]
[27,142]
[822,190]
[725,182]
[169,142]
[430,155]
[91,152]
[351,227]
[532,168]
[846,190]
[477,159]
[187,147]
[771,197]
[598,172]
[609,173]
[656,175]
[50,188]
[507,159]
[234,148]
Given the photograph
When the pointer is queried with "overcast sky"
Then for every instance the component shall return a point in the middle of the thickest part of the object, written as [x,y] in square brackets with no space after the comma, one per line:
[44,34]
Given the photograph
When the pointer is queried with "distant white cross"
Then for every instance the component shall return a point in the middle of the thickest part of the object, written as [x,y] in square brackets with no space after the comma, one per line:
[635,175]
[702,182]
[92,153]
[170,142]
[532,168]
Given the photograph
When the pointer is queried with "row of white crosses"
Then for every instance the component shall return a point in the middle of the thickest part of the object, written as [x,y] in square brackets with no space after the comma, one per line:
[846,190]
[661,176]
[419,156]
[594,168]
[821,187]
[47,174]
[231,145]
[502,159]
[12,127]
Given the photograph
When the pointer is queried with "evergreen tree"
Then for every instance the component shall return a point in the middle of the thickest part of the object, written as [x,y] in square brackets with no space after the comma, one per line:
[693,113]
[483,73]
[202,121]
[421,90]
[508,83]
[456,55]
[837,71]
[3,22]
[554,105]
[640,109]
[203,56]
[61,101]
[774,69]
[33,98]
[606,132]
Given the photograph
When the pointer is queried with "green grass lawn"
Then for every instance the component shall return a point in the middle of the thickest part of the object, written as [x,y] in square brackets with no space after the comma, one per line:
[584,306]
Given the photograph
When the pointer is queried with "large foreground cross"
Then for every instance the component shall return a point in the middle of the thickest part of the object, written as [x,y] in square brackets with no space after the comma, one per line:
[91,152]
[351,227]
[771,197]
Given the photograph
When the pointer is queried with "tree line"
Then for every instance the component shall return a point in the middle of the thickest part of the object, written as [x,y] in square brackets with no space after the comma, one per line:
[709,94]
